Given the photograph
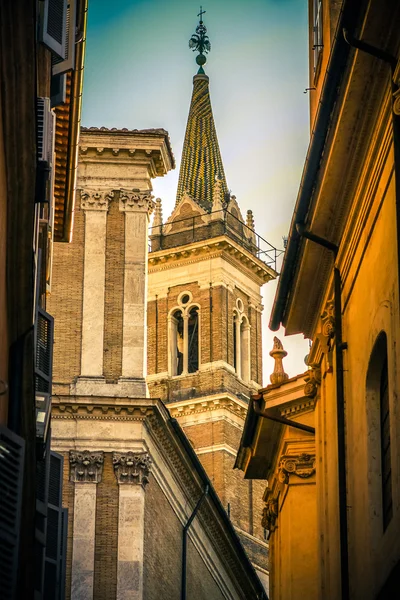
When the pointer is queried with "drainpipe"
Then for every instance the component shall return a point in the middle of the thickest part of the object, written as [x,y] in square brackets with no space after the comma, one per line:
[184,541]
[340,410]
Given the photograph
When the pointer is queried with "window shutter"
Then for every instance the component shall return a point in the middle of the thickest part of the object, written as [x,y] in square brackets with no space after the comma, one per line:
[42,491]
[12,449]
[54,534]
[63,551]
[58,90]
[44,328]
[46,131]
[52,26]
[68,62]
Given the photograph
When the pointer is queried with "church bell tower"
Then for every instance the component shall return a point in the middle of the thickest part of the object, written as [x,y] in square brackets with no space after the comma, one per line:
[206,269]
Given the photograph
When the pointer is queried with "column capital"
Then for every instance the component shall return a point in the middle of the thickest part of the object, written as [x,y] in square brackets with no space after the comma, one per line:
[85,466]
[93,199]
[302,465]
[136,201]
[132,467]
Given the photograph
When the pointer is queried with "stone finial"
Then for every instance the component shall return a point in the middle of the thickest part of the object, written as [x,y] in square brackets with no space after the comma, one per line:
[85,466]
[218,194]
[278,353]
[132,467]
[250,219]
[157,220]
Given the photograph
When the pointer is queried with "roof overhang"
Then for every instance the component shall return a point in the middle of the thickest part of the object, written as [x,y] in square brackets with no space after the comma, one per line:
[336,152]
[261,437]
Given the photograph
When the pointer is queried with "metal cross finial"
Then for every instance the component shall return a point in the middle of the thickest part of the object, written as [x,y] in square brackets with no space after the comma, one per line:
[199,42]
[201,13]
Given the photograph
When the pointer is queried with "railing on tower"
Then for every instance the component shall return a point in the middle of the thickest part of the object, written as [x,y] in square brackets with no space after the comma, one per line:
[203,227]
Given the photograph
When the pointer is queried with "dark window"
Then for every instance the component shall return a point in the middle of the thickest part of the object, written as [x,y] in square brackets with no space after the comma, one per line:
[179,342]
[193,331]
[378,399]
[387,501]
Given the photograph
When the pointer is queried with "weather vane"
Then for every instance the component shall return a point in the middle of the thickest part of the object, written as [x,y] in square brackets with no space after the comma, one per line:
[199,42]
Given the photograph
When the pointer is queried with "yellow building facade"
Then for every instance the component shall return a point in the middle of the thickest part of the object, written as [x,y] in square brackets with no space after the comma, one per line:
[339,286]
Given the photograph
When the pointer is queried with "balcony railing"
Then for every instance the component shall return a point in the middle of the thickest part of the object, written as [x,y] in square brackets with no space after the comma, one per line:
[211,225]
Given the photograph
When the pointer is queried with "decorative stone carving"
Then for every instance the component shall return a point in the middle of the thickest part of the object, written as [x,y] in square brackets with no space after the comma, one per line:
[85,466]
[313,380]
[328,320]
[270,514]
[157,220]
[132,467]
[302,465]
[95,200]
[218,196]
[136,201]
[278,354]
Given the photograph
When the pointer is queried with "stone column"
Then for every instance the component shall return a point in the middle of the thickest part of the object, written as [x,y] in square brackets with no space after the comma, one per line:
[132,471]
[95,206]
[137,207]
[85,471]
[185,343]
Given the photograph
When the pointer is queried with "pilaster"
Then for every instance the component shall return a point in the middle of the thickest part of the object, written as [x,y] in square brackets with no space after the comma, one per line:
[137,206]
[94,203]
[132,472]
[85,471]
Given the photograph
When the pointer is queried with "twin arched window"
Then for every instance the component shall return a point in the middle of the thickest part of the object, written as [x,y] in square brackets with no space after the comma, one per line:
[184,338]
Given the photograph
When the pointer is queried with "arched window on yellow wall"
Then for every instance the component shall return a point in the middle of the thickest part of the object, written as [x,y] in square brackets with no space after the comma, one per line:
[378,399]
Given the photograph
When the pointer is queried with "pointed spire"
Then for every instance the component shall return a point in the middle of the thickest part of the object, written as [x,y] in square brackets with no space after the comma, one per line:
[278,354]
[201,158]
[157,220]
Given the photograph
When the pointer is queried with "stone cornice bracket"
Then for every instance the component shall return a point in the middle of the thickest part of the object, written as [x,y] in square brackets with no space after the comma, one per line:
[313,381]
[132,467]
[95,200]
[136,201]
[270,513]
[302,465]
[85,466]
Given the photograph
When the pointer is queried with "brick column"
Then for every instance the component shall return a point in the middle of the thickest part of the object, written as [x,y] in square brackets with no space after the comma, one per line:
[137,207]
[95,205]
[132,471]
[85,471]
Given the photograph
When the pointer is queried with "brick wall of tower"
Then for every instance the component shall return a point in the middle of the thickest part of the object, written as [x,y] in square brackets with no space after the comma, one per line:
[114,289]
[216,328]
[65,303]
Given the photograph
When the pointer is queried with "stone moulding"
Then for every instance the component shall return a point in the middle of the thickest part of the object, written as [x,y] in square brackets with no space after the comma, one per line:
[270,514]
[132,467]
[86,466]
[95,199]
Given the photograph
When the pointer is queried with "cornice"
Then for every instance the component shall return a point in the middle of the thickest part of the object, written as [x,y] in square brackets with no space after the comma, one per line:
[215,247]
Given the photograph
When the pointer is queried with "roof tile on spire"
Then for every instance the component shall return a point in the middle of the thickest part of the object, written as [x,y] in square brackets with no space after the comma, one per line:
[201,158]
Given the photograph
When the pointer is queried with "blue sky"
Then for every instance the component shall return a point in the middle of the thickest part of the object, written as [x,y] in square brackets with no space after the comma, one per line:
[138,74]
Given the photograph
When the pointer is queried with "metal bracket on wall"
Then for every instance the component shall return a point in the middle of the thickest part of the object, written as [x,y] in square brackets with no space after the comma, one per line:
[268,414]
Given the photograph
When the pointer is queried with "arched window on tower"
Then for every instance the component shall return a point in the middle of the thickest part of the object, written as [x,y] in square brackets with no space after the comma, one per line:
[245,349]
[241,342]
[183,338]
[193,346]
[176,349]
